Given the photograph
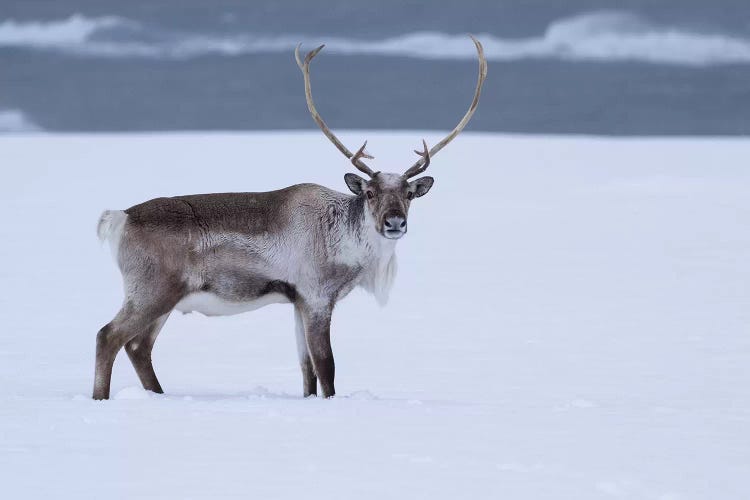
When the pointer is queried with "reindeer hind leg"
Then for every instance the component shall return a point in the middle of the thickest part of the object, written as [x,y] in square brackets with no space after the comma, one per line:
[127,324]
[133,320]
[139,351]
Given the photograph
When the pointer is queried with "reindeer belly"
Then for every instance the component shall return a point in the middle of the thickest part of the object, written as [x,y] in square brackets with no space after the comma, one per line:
[235,293]
[210,304]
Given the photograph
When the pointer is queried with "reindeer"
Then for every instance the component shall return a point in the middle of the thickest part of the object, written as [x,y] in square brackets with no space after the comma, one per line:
[222,254]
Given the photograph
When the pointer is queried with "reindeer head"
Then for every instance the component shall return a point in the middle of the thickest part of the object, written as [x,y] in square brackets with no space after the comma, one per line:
[388,195]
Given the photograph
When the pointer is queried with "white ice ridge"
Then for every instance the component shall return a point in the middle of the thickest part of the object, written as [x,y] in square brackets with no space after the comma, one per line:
[14,120]
[603,36]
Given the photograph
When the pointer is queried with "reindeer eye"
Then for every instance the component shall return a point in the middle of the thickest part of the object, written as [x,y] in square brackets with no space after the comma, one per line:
[370,195]
[410,195]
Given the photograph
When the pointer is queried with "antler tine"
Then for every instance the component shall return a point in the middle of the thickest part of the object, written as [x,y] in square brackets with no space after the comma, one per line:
[361,153]
[423,162]
[304,66]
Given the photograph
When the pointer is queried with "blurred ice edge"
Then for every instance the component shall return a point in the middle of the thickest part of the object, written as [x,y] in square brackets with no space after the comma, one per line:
[594,72]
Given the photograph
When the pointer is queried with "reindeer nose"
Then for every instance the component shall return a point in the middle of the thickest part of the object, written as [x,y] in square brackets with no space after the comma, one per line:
[394,224]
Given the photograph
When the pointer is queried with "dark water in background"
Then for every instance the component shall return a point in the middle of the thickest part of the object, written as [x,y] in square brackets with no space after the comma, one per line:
[651,67]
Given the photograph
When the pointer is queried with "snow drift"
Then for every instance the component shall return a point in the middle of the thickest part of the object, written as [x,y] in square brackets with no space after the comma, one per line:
[569,321]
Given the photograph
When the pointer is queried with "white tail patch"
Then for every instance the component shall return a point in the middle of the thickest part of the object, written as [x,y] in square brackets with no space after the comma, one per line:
[110,227]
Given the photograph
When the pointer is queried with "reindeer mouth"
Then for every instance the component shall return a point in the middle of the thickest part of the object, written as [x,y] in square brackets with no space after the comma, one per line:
[393,234]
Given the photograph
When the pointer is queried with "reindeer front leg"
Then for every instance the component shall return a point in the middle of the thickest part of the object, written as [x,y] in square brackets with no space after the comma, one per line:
[309,380]
[317,323]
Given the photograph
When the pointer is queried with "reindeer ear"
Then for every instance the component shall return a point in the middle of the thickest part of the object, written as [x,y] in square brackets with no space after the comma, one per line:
[421,186]
[356,183]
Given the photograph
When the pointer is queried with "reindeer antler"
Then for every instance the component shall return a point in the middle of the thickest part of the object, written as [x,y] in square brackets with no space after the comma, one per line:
[361,153]
[356,158]
[421,164]
[305,68]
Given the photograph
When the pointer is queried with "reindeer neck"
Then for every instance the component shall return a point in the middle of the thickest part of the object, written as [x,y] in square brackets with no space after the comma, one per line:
[375,254]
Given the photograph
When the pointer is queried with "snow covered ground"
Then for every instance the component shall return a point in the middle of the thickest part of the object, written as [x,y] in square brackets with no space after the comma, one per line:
[570,321]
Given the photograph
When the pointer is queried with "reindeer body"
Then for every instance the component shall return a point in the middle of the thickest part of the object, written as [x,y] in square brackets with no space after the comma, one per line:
[221,254]
[305,241]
